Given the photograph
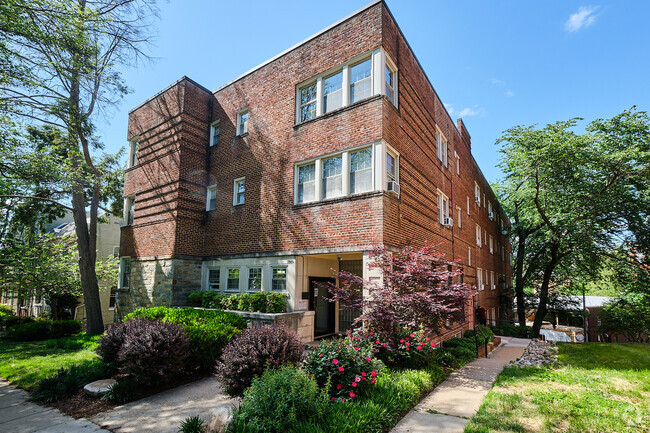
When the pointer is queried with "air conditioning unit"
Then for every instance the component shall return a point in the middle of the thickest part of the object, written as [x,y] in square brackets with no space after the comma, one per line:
[393,186]
[491,215]
[477,199]
[481,287]
[494,287]
[447,221]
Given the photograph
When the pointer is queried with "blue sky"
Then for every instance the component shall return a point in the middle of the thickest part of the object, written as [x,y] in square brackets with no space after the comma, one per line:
[496,64]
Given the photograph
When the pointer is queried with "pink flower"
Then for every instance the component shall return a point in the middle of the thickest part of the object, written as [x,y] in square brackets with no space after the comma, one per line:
[341,369]
[333,399]
[373,373]
[357,379]
[383,344]
[407,344]
[339,386]
[412,335]
[433,344]
[373,380]
[335,361]
[407,348]
[354,384]
[356,348]
[377,342]
[419,347]
[363,373]
[352,395]
[401,341]
[372,333]
[321,355]
[368,359]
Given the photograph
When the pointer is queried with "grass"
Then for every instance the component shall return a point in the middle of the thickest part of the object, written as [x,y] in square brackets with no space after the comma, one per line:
[25,363]
[595,388]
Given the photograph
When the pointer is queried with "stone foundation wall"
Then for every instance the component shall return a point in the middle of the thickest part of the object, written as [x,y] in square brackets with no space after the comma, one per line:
[300,321]
[158,283]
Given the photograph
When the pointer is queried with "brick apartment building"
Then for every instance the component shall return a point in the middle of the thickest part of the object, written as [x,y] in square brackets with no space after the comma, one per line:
[298,167]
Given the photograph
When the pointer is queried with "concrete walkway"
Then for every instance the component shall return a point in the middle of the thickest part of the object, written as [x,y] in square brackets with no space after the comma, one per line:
[448,408]
[164,412]
[17,415]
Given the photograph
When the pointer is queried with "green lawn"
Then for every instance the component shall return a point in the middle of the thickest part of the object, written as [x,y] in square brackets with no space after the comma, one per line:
[597,388]
[25,363]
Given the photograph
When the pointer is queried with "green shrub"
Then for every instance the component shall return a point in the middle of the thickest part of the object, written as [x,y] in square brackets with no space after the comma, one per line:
[444,358]
[280,400]
[122,391]
[192,424]
[10,321]
[67,381]
[507,330]
[5,312]
[256,349]
[486,331]
[208,331]
[463,354]
[42,330]
[258,302]
[349,371]
[460,342]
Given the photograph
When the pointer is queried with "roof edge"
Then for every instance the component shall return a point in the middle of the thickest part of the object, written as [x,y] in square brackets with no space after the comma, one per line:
[183,78]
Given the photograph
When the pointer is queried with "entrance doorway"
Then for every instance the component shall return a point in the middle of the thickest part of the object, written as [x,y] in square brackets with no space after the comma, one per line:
[324,309]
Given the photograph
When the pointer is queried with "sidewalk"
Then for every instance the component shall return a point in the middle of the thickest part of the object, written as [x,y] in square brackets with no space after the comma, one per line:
[17,415]
[448,408]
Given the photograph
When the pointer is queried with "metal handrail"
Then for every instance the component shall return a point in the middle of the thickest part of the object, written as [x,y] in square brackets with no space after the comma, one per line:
[485,339]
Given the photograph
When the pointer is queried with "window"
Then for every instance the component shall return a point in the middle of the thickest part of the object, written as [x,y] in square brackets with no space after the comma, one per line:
[239,191]
[307,183]
[441,148]
[279,280]
[491,245]
[133,153]
[477,193]
[443,209]
[457,163]
[361,170]
[469,256]
[389,78]
[360,81]
[308,102]
[242,122]
[391,168]
[478,235]
[233,280]
[483,203]
[215,133]
[111,298]
[332,177]
[467,205]
[460,212]
[490,214]
[479,278]
[254,279]
[214,279]
[492,285]
[333,92]
[125,273]
[503,253]
[129,210]
[211,198]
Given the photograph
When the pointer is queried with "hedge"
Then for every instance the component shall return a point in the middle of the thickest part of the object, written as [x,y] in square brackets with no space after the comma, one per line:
[258,302]
[42,330]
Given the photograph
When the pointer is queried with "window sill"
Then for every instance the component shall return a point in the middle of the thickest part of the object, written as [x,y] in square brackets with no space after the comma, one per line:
[244,135]
[327,201]
[338,111]
[123,289]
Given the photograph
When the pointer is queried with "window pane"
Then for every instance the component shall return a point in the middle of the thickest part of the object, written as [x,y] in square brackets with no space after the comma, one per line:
[308,94]
[361,171]
[279,282]
[233,280]
[240,188]
[332,177]
[243,123]
[333,92]
[130,211]
[255,279]
[360,81]
[214,277]
[212,198]
[126,273]
[390,166]
[390,91]
[308,112]
[306,183]
[216,131]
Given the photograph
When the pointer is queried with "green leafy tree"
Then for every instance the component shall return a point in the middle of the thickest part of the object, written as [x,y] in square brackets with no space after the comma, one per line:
[573,198]
[59,66]
[628,315]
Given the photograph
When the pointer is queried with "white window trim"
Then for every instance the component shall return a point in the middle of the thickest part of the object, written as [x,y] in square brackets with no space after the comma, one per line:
[479,238]
[226,289]
[235,183]
[127,209]
[214,125]
[134,148]
[479,279]
[469,256]
[379,175]
[286,279]
[468,206]
[491,244]
[460,213]
[123,259]
[379,59]
[477,194]
[207,197]
[441,209]
[457,163]
[248,278]
[240,113]
[442,147]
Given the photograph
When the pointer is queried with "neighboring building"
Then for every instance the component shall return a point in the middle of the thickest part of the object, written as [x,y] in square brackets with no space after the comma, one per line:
[298,168]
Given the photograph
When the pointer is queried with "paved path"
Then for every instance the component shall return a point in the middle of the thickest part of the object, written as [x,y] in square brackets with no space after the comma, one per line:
[17,415]
[448,408]
[164,412]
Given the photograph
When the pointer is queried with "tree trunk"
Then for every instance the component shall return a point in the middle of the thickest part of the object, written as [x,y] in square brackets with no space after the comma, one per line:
[543,292]
[94,324]
[519,279]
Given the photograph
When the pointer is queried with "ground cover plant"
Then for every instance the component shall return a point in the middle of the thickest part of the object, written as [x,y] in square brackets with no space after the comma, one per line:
[595,388]
[25,364]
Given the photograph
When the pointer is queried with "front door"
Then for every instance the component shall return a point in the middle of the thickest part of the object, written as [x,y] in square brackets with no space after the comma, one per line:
[318,302]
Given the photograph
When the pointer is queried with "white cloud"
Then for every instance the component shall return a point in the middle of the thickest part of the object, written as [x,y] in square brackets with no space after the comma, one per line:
[450,109]
[509,93]
[497,82]
[471,111]
[584,18]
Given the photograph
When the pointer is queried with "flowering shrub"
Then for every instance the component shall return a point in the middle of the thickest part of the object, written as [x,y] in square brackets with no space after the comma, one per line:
[256,349]
[348,369]
[402,349]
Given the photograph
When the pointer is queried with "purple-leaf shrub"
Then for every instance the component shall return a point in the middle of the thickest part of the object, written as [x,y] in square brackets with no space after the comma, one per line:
[254,350]
[111,342]
[417,289]
[152,351]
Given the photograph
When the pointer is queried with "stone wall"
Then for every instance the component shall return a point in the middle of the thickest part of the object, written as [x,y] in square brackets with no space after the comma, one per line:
[300,321]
